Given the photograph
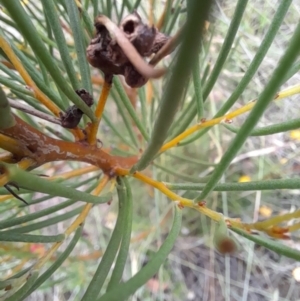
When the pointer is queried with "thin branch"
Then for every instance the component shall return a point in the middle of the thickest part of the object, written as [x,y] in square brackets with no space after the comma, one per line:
[169,47]
[6,118]
[22,71]
[92,135]
[228,117]
[29,110]
[55,150]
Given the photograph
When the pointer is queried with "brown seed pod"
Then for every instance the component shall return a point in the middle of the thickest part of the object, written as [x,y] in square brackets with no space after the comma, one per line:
[121,50]
[133,78]
[140,35]
[71,118]
[103,54]
[85,96]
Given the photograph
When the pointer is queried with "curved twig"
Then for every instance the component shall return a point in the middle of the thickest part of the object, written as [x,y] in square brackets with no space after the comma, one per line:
[171,44]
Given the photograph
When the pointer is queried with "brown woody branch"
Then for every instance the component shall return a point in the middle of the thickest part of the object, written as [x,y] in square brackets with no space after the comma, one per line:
[44,149]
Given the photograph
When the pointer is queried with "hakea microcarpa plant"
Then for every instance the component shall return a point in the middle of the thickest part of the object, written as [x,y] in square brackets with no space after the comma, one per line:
[28,142]
[122,50]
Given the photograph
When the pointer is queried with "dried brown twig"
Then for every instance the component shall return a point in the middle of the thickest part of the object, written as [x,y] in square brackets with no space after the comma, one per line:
[167,48]
[29,110]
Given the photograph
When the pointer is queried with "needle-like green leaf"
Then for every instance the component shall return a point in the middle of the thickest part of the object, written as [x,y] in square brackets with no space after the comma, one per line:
[188,50]
[104,267]
[58,262]
[18,237]
[7,120]
[34,183]
[271,129]
[124,247]
[29,32]
[80,46]
[129,107]
[246,186]
[264,99]
[61,42]
[270,244]
[125,290]
[19,295]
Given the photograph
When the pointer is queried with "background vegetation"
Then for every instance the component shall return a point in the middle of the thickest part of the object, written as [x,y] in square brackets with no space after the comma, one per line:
[244,165]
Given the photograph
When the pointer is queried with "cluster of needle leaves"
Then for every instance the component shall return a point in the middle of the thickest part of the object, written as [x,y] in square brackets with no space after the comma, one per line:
[63,68]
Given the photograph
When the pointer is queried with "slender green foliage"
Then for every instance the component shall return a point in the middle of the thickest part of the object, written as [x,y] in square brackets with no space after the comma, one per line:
[125,118]
[177,82]
[95,8]
[253,67]
[29,32]
[271,129]
[259,56]
[226,47]
[247,186]
[264,99]
[102,271]
[116,131]
[61,42]
[45,35]
[19,295]
[33,216]
[7,120]
[124,290]
[80,45]
[46,223]
[30,238]
[125,243]
[126,101]
[198,88]
[271,244]
[32,182]
[59,261]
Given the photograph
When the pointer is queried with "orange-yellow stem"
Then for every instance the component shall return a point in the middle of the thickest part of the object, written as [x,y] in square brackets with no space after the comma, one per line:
[182,201]
[78,221]
[161,20]
[75,173]
[28,80]
[208,123]
[92,134]
[13,146]
[294,227]
[151,15]
[7,158]
[265,226]
[149,92]
[205,124]
[162,187]
[23,164]
[78,134]
[275,220]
